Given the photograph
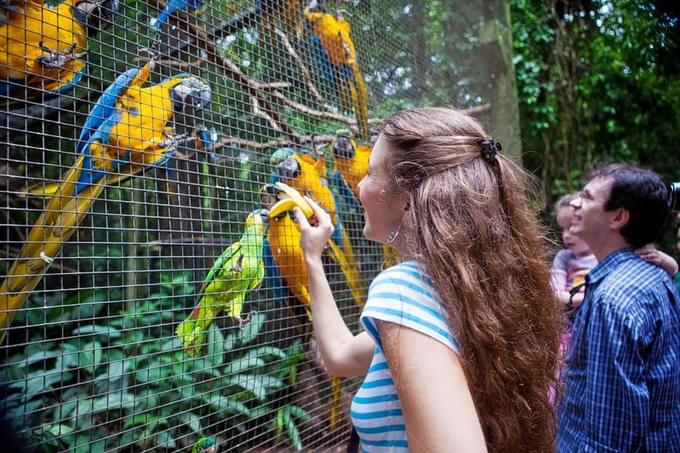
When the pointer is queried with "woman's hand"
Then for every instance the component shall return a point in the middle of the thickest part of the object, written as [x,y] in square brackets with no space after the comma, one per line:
[314,238]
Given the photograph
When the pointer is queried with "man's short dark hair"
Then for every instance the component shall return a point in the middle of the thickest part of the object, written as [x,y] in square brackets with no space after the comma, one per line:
[643,194]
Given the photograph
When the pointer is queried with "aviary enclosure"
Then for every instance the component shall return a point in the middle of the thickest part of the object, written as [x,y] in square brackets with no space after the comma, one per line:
[149,300]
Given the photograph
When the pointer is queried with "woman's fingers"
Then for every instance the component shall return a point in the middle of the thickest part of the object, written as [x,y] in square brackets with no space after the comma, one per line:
[322,217]
[300,218]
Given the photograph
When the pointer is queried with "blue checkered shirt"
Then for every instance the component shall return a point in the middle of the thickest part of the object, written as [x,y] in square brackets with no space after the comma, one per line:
[622,377]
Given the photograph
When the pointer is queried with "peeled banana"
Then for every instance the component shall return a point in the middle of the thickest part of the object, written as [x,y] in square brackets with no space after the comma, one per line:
[293,199]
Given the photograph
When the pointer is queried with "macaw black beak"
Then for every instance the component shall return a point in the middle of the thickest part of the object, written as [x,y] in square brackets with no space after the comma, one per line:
[343,148]
[95,15]
[190,95]
[268,196]
[288,169]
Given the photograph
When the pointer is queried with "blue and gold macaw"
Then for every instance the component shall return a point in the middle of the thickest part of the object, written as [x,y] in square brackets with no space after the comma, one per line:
[129,129]
[174,5]
[285,263]
[335,55]
[304,172]
[265,15]
[350,165]
[42,49]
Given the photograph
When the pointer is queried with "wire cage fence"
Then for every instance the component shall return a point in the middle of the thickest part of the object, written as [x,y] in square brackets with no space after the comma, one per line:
[149,300]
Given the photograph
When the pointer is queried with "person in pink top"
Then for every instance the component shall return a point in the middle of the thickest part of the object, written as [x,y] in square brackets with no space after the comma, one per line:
[572,263]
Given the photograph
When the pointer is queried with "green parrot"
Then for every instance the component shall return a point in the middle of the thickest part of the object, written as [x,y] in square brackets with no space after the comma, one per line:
[205,445]
[237,270]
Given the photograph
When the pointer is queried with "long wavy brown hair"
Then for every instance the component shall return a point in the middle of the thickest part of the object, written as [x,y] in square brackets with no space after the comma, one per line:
[471,225]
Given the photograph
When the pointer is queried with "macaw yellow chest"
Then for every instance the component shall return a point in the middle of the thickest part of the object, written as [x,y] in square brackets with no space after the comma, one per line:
[284,239]
[334,35]
[312,183]
[143,126]
[21,39]
[354,170]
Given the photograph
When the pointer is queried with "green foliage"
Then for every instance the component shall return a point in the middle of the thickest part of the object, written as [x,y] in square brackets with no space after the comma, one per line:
[115,384]
[598,83]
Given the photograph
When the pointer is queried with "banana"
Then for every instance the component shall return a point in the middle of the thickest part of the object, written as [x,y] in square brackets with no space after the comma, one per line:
[292,200]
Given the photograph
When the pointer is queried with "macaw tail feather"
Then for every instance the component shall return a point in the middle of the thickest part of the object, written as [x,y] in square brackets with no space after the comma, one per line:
[350,271]
[339,183]
[55,226]
[193,331]
[359,93]
[336,395]
[39,190]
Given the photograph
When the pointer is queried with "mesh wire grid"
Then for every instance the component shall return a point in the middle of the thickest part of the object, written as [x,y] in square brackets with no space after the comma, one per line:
[136,138]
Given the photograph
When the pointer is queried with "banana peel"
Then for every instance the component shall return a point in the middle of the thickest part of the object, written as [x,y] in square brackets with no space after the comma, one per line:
[293,199]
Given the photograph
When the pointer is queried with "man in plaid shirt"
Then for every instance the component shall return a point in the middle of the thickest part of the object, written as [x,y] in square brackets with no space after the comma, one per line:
[622,378]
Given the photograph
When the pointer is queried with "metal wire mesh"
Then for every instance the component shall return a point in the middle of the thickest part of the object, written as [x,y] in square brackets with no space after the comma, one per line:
[123,190]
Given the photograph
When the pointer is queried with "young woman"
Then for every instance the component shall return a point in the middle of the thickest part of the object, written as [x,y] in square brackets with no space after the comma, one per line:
[461,339]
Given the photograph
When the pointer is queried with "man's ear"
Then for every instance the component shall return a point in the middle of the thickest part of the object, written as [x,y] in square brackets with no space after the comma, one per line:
[620,219]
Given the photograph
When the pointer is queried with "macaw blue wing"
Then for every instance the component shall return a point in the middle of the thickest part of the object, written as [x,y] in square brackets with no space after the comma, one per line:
[337,233]
[105,107]
[171,7]
[89,173]
[323,62]
[338,182]
[272,275]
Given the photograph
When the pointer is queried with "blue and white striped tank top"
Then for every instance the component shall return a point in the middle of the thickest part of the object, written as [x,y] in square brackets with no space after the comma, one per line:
[403,295]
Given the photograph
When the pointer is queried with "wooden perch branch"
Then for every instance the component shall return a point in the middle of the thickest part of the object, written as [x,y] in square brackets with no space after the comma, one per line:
[276,143]
[316,139]
[261,94]
[261,105]
[306,75]
[351,122]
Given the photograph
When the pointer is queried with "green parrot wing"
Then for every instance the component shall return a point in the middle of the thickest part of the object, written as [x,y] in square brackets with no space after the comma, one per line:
[222,267]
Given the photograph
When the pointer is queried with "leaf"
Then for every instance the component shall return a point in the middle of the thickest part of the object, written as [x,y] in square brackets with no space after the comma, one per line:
[151,422]
[243,364]
[292,431]
[24,410]
[116,370]
[297,411]
[98,330]
[58,430]
[193,421]
[279,422]
[82,305]
[173,344]
[258,385]
[90,356]
[113,401]
[165,440]
[39,356]
[39,381]
[231,340]
[252,329]
[215,346]
[264,351]
[81,445]
[225,405]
